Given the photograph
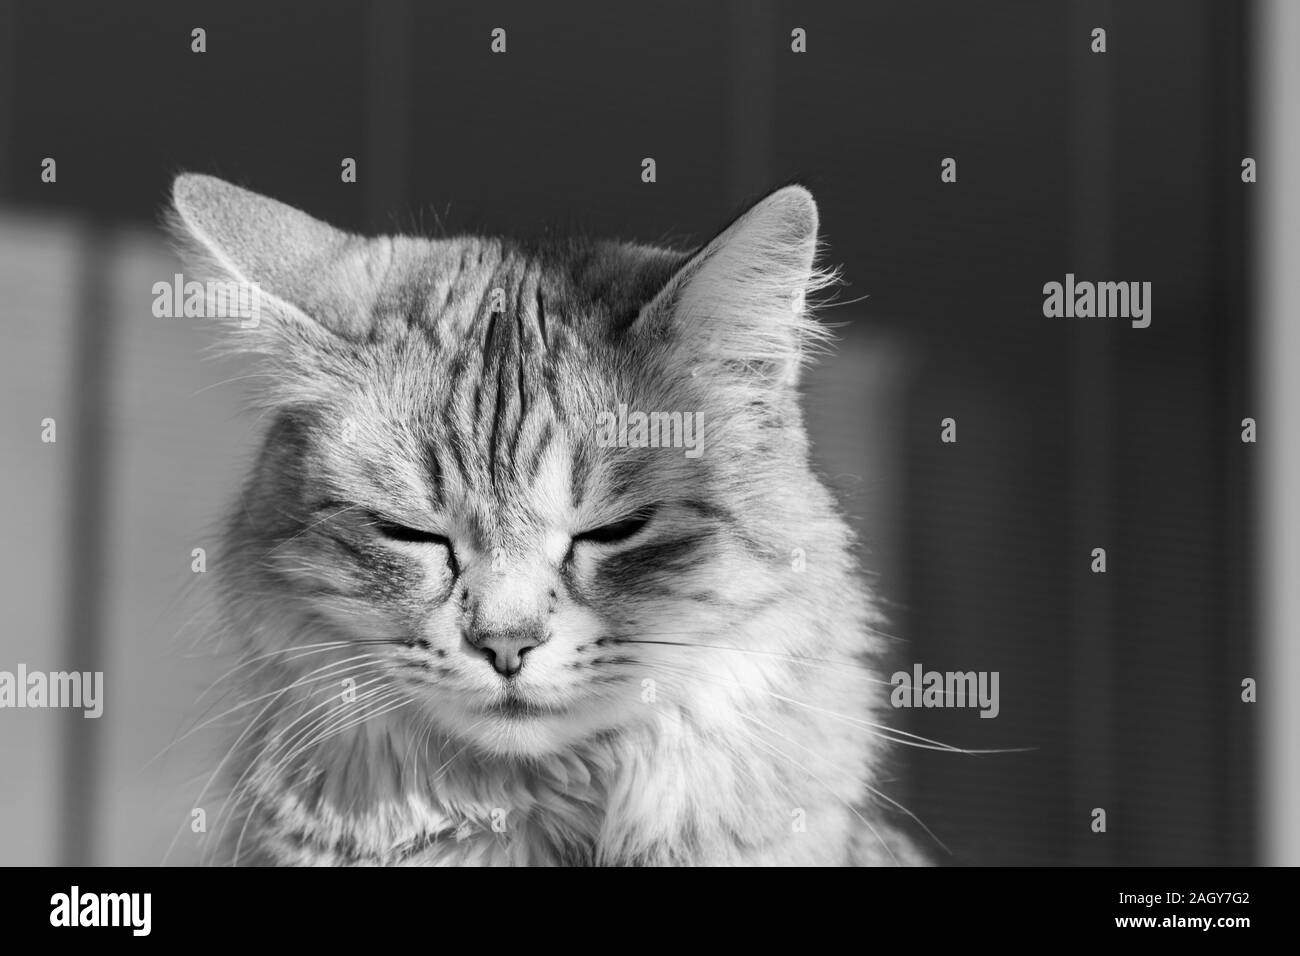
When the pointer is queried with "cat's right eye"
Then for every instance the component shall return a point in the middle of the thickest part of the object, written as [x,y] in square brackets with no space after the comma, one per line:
[408,535]
[401,532]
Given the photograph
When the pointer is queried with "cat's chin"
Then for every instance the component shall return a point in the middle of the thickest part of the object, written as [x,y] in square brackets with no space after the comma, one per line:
[525,732]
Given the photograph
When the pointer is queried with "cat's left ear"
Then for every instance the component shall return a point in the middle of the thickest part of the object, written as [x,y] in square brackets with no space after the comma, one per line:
[741,300]
[308,275]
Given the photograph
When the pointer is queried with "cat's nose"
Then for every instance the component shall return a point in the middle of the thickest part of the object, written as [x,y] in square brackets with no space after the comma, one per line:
[505,649]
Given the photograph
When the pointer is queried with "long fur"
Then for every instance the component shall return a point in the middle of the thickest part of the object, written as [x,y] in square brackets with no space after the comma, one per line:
[703,692]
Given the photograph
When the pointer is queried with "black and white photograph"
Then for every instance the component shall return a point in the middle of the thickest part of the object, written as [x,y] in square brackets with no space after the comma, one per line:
[743,433]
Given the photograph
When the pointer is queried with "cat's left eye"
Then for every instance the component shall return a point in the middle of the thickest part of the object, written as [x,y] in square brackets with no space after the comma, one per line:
[616,531]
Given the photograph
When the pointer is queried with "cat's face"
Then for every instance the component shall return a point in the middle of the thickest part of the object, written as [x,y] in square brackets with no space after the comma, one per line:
[471,516]
[506,477]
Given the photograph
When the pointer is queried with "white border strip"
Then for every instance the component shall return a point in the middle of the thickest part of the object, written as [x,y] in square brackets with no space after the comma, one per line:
[1278,206]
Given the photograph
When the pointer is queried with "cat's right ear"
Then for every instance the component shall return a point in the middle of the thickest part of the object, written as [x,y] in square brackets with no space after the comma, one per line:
[308,279]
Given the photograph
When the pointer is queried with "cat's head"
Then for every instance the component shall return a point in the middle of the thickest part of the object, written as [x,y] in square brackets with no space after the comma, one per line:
[509,476]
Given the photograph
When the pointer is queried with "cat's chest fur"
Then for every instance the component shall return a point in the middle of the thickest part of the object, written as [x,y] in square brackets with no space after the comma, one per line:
[660,795]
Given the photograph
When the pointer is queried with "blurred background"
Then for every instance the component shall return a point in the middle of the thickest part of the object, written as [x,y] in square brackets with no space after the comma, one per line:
[1072,434]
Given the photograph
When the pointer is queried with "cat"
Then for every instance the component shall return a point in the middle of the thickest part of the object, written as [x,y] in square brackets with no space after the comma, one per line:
[474,630]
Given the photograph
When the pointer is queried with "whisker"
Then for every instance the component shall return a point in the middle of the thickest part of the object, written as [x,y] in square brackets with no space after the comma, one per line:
[812,662]
[310,527]
[388,703]
[852,809]
[823,662]
[310,677]
[927,744]
[298,652]
[876,792]
[222,762]
[276,742]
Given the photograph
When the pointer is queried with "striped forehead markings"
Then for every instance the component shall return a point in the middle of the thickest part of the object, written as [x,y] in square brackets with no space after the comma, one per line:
[503,355]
